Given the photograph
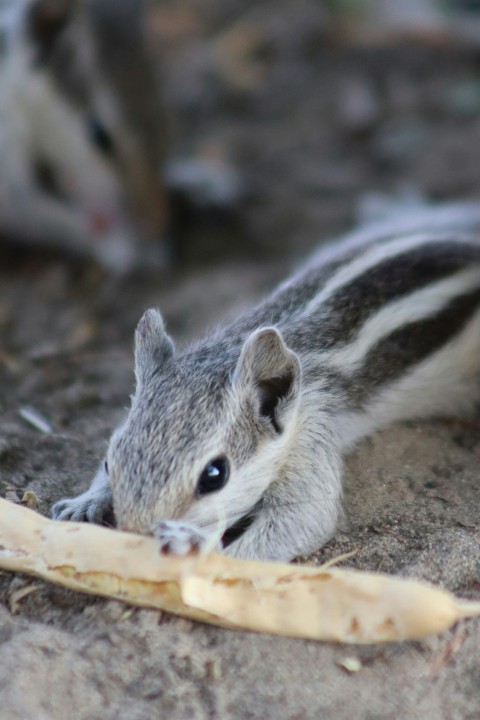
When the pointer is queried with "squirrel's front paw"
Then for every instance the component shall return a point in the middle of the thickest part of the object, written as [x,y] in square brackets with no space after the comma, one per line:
[85,508]
[179,538]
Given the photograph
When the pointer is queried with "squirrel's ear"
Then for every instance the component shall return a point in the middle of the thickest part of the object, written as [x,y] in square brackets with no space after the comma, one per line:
[152,345]
[271,371]
[46,20]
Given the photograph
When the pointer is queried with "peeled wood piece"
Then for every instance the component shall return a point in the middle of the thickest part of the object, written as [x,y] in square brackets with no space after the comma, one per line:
[296,600]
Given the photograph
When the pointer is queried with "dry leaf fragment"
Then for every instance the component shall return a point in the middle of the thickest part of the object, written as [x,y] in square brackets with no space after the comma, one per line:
[350,664]
[30,499]
[294,600]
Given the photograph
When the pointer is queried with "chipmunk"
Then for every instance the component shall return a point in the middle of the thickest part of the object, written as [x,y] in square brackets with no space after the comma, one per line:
[84,149]
[237,441]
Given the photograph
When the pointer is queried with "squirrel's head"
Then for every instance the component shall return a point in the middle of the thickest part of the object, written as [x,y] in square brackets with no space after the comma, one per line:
[92,111]
[207,431]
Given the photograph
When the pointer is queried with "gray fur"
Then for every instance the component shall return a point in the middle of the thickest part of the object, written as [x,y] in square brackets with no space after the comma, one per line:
[153,347]
[384,326]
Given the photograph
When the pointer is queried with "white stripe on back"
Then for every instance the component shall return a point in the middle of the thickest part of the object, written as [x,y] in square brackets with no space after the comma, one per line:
[419,305]
[369,259]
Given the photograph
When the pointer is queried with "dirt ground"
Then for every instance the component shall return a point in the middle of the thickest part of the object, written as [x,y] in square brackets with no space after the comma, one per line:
[314,125]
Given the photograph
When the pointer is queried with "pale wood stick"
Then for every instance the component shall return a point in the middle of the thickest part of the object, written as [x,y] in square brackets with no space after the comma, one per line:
[295,600]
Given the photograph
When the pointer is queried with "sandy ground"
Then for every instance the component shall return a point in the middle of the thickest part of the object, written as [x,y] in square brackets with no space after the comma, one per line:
[280,110]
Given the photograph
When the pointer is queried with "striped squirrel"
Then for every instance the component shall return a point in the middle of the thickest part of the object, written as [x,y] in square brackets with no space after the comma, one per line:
[240,437]
[83,133]
[80,129]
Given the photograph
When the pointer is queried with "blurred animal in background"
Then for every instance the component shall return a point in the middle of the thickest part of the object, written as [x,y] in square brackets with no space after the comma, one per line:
[83,132]
[82,129]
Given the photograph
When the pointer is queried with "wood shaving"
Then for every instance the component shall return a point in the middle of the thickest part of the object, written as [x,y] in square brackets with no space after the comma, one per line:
[18,595]
[350,664]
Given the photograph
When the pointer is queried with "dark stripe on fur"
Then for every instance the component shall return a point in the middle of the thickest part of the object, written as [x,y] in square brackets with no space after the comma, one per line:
[122,46]
[53,33]
[342,316]
[410,345]
[283,305]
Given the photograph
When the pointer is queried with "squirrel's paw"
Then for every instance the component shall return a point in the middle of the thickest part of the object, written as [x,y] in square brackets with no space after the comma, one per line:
[88,507]
[179,538]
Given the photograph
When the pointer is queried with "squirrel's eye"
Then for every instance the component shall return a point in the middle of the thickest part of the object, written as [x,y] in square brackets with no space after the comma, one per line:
[214,476]
[105,467]
[100,137]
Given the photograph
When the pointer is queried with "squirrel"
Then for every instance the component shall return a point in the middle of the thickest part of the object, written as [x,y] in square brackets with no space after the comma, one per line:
[84,134]
[81,125]
[237,441]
